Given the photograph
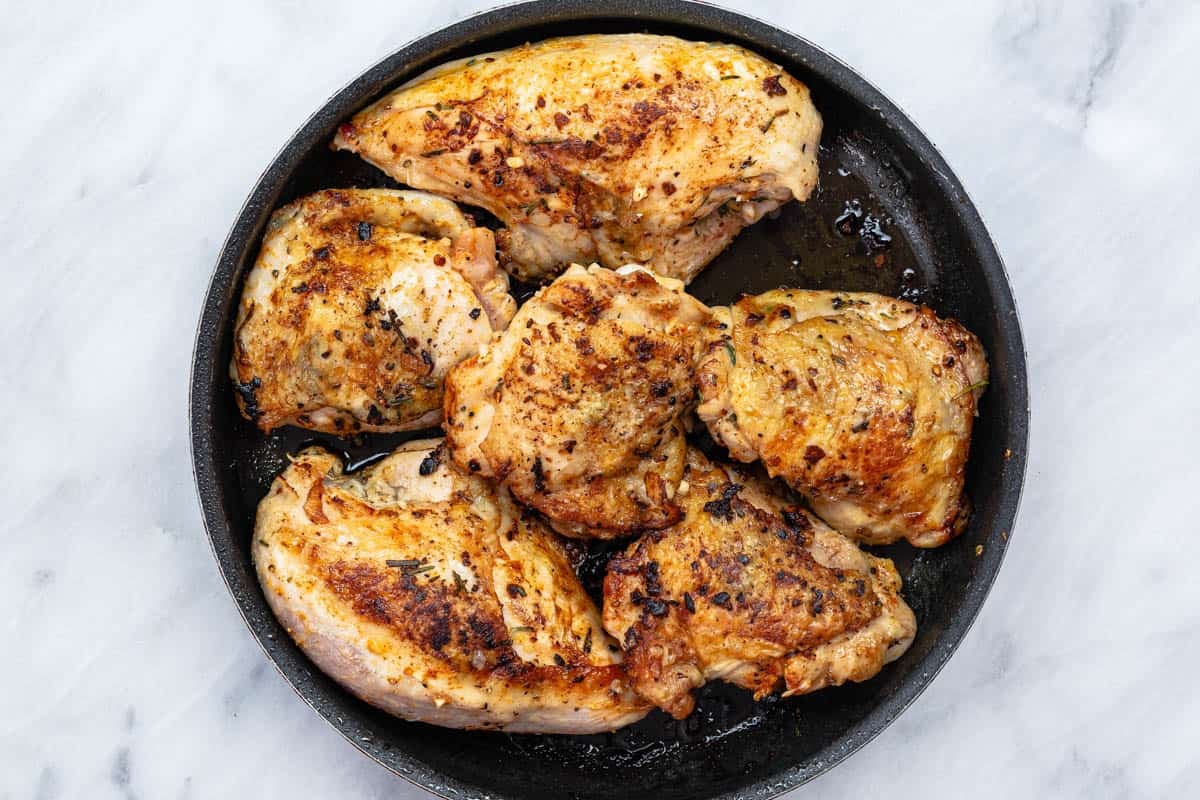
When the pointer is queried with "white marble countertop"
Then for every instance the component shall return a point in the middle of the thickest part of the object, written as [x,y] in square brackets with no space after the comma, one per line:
[131,136]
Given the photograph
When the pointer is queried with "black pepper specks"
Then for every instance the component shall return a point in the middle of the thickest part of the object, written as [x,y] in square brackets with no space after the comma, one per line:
[539,476]
[430,463]
[656,608]
[653,583]
[722,508]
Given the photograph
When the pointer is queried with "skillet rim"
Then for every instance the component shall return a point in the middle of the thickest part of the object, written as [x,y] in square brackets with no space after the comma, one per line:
[207,376]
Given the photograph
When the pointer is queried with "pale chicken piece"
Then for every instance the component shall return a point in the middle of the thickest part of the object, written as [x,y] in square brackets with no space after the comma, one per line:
[608,148]
[577,408]
[425,592]
[751,590]
[863,403]
[359,303]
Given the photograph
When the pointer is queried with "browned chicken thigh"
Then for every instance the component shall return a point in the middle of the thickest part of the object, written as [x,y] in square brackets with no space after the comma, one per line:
[428,593]
[863,403]
[577,408]
[609,148]
[749,589]
[358,304]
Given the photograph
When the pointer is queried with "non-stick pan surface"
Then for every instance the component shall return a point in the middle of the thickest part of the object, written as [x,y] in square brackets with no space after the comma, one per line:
[889,217]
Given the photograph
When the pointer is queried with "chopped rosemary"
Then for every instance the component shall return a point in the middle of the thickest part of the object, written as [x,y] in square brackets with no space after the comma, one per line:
[409,566]
[432,153]
[767,125]
[970,389]
[460,586]
[732,353]
[730,77]
[432,115]
[529,208]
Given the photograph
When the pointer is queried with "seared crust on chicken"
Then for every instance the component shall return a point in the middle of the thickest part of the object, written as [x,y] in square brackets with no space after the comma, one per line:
[751,590]
[358,304]
[609,148]
[577,407]
[863,403]
[425,592]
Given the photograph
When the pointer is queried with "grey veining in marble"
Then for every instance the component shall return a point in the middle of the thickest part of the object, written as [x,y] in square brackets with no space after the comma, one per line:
[131,135]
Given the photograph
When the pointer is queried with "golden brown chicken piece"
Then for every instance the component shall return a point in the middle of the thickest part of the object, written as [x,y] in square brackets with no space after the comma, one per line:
[577,407]
[427,593]
[609,148]
[751,590]
[863,403]
[359,303]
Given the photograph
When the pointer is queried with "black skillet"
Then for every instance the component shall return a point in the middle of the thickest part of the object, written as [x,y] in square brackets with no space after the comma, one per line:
[889,217]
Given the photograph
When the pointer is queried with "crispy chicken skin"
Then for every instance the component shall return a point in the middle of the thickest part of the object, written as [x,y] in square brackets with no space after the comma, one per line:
[751,590]
[608,148]
[425,592]
[861,402]
[577,408]
[358,304]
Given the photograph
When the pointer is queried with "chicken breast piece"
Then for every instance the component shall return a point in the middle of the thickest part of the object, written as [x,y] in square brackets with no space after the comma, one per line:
[358,304]
[751,590]
[577,407]
[425,592]
[863,403]
[608,148]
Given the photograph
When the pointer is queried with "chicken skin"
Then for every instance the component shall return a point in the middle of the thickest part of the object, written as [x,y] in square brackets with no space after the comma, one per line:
[751,590]
[577,408]
[862,403]
[606,148]
[425,591]
[359,303]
